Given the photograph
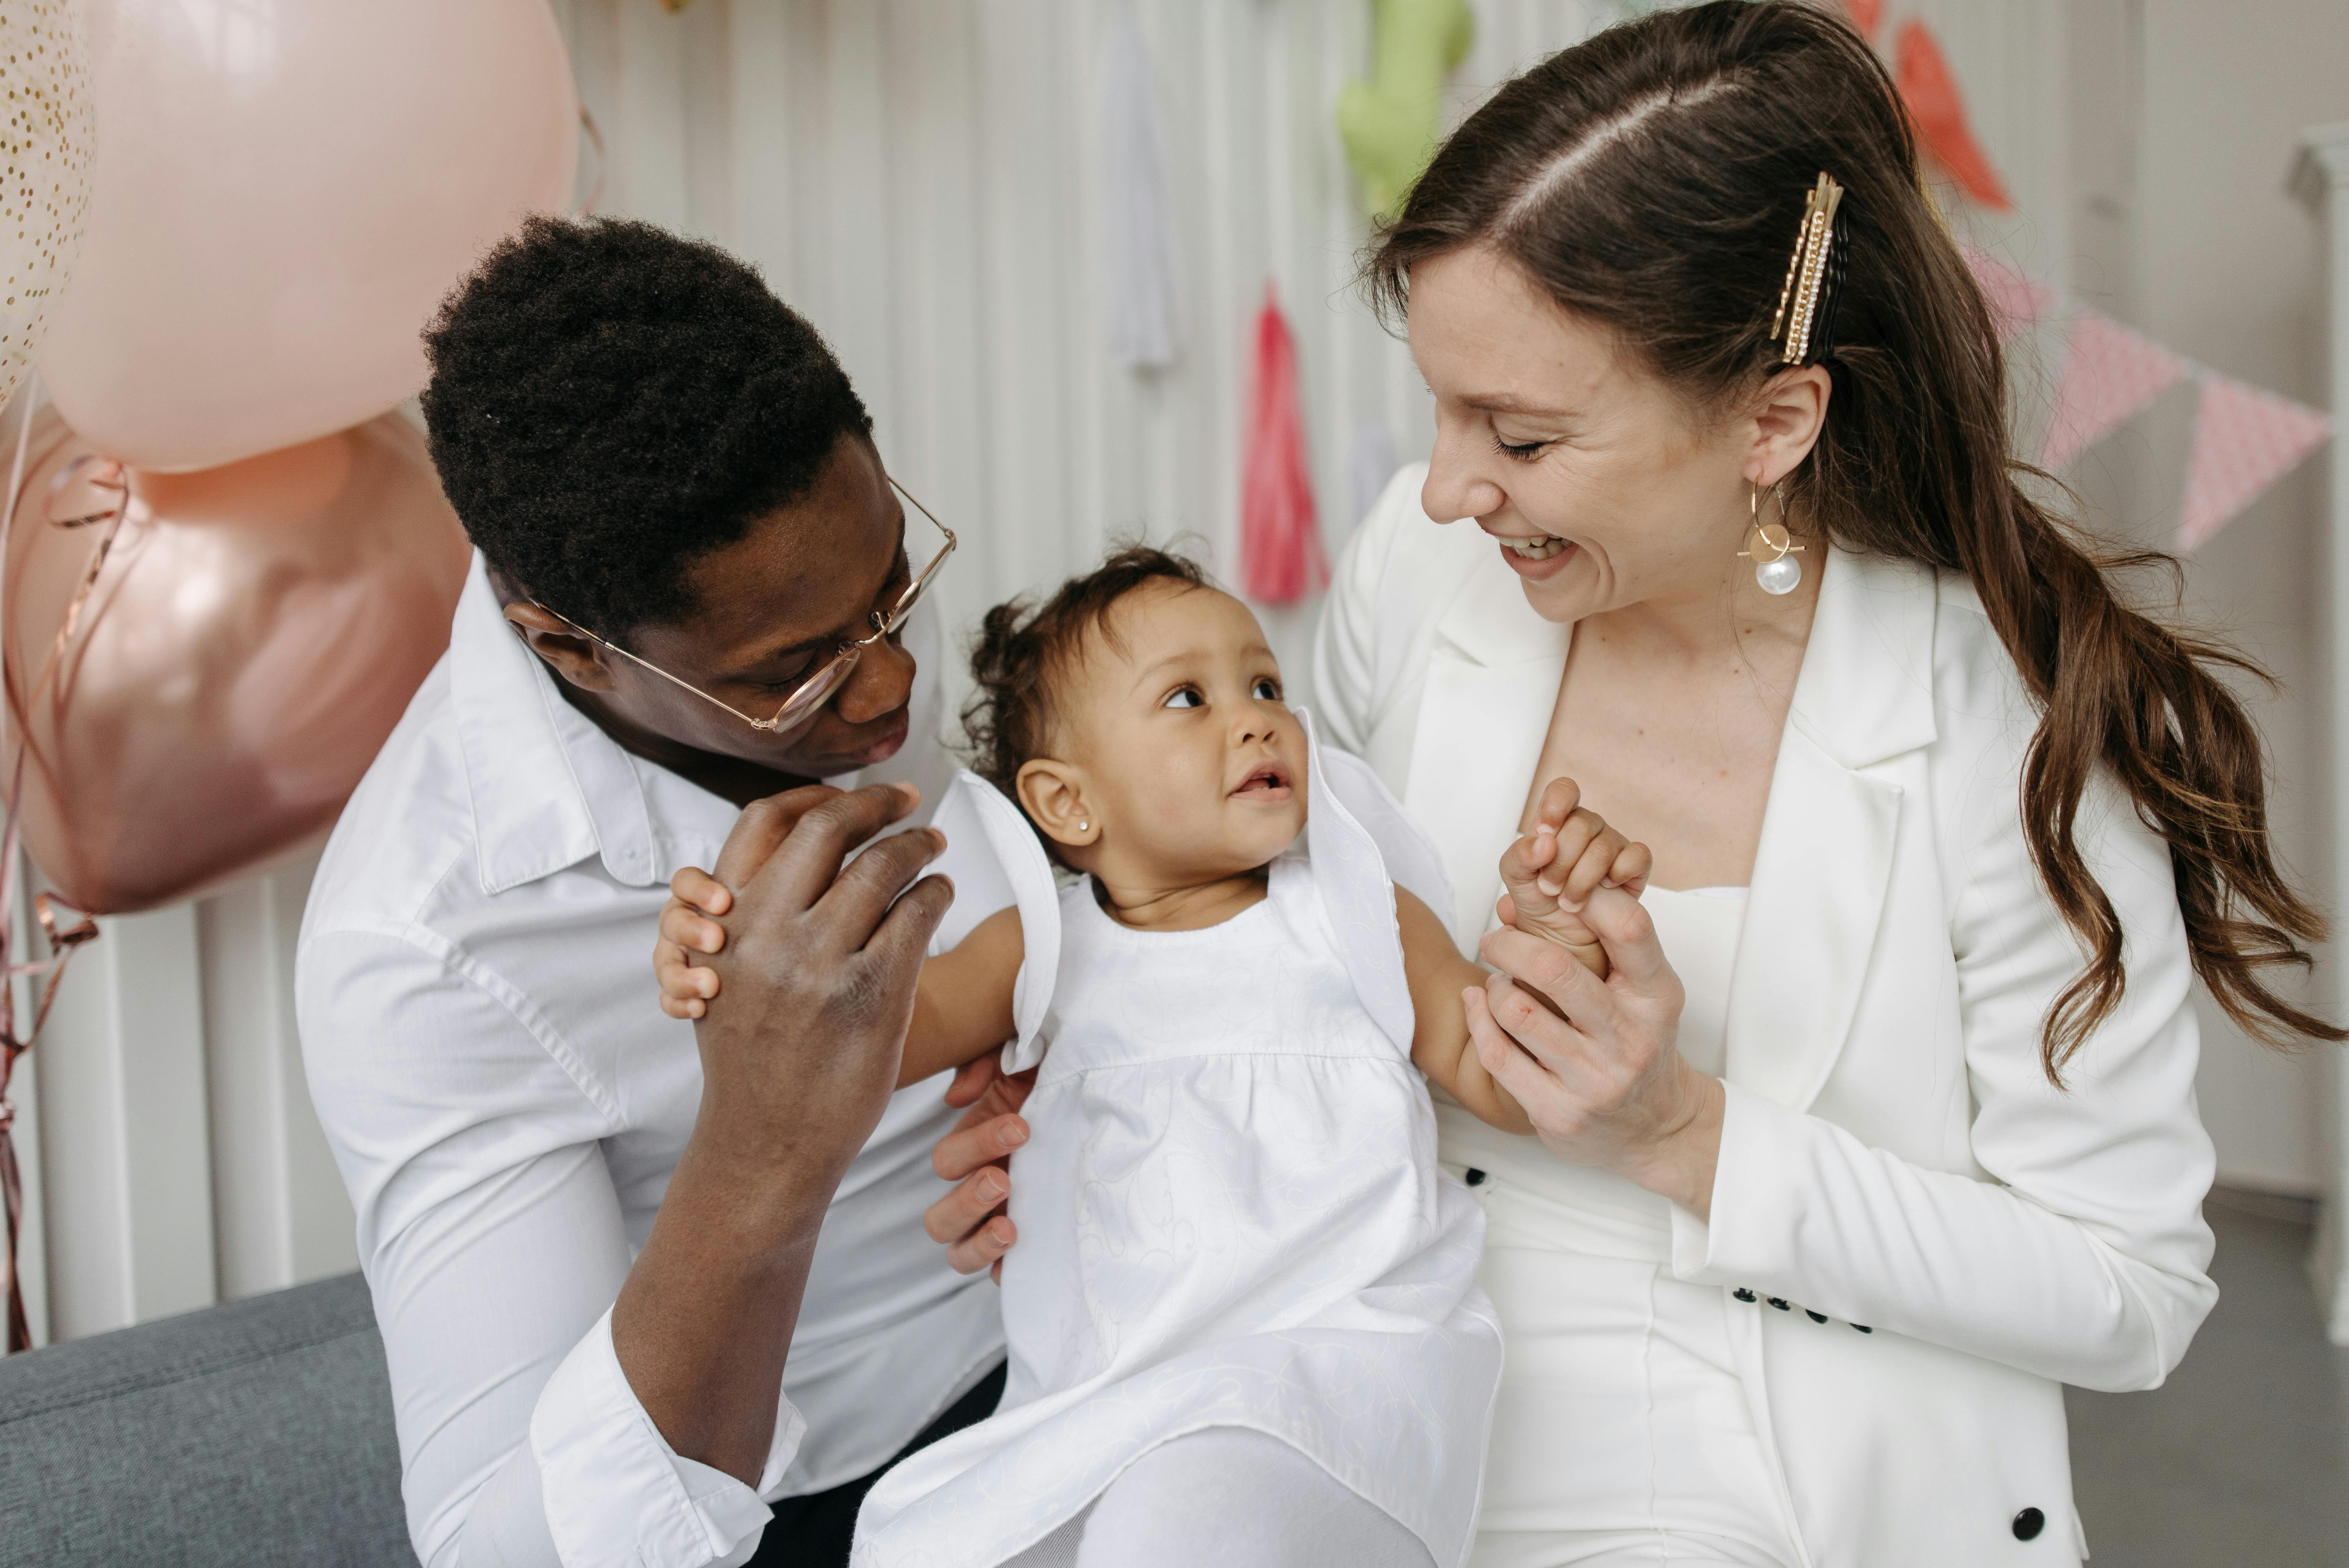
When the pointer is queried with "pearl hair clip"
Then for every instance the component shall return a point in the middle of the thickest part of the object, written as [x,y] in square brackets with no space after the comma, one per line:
[1799,317]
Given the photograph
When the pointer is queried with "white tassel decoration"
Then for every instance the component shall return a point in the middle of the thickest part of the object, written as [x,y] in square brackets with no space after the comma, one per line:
[1146,312]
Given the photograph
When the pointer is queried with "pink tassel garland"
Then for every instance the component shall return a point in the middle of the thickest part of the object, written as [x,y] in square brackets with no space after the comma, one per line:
[1281,559]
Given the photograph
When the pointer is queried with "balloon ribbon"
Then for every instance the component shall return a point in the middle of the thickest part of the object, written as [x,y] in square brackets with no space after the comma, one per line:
[62,940]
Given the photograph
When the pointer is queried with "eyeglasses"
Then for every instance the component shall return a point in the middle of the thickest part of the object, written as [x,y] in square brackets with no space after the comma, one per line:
[807,699]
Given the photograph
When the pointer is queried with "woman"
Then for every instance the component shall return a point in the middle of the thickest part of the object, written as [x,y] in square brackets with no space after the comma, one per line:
[1853,1162]
[1884,1127]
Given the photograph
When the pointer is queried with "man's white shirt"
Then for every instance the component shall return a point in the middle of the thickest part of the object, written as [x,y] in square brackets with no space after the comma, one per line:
[507,1102]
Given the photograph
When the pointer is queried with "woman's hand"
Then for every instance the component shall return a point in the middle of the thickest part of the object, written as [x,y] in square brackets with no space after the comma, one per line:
[1605,1084]
[977,1156]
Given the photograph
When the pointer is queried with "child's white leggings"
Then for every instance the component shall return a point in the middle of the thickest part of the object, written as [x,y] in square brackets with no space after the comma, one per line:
[1228,1498]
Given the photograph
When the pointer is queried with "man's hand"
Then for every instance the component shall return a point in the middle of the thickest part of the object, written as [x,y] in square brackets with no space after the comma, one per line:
[977,1156]
[819,967]
[819,963]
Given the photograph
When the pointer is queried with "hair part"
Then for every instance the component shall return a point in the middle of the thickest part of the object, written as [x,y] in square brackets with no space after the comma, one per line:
[1024,653]
[610,403]
[1651,180]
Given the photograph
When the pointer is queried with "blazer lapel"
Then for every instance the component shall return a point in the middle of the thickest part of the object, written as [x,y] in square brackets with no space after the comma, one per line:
[1825,861]
[1492,685]
[1819,877]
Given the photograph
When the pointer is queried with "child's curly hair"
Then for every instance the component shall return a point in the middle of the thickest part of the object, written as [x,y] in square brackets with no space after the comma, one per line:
[1023,649]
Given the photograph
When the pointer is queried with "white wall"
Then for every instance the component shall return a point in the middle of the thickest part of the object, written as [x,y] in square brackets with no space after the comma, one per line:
[2187,115]
[920,176]
[172,1157]
[921,179]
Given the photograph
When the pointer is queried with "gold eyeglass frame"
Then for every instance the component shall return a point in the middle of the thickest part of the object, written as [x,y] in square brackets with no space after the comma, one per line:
[806,699]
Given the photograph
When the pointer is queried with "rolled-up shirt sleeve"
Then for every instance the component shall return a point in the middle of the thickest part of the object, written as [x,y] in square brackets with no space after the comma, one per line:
[470,1138]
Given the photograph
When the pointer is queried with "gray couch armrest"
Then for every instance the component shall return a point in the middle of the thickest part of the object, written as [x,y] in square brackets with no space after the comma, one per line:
[251,1435]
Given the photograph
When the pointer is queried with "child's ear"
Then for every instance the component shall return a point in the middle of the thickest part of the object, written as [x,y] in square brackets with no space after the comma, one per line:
[1054,793]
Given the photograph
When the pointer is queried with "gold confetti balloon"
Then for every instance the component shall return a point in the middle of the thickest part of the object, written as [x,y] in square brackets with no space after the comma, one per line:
[44,152]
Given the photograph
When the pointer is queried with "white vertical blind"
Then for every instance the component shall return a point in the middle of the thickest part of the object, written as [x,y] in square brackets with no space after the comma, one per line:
[923,180]
[127,1144]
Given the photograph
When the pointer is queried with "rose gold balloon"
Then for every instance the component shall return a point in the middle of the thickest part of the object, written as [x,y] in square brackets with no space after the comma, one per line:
[252,635]
[283,192]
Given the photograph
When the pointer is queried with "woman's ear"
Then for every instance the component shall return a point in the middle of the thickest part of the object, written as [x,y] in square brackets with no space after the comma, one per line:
[1053,795]
[1793,412]
[574,657]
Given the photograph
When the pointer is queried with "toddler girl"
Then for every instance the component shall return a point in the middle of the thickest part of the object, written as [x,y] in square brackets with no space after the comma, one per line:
[1243,1318]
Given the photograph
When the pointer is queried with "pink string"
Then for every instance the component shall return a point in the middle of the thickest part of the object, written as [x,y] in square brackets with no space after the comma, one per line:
[62,941]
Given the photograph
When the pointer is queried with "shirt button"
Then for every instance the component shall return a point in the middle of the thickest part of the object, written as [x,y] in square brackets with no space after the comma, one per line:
[2029,1524]
[1742,1293]
[1814,1317]
[1474,1177]
[1780,1304]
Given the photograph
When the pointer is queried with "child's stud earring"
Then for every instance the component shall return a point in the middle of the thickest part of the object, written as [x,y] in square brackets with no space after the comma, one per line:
[1084,827]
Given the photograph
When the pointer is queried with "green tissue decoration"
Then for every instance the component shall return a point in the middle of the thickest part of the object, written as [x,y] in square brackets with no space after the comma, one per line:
[1389,123]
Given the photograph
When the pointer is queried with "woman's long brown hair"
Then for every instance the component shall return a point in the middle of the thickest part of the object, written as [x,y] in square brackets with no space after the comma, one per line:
[1651,180]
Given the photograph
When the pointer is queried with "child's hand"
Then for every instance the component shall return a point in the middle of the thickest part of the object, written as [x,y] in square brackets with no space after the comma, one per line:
[687,928]
[1550,872]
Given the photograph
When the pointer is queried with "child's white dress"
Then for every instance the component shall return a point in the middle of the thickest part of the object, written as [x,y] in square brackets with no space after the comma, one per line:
[1229,1210]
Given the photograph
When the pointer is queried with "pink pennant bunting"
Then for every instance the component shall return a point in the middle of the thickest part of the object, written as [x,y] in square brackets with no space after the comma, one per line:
[2015,300]
[2244,441]
[2110,374]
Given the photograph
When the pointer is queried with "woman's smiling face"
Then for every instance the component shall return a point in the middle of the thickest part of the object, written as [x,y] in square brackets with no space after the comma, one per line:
[1603,487]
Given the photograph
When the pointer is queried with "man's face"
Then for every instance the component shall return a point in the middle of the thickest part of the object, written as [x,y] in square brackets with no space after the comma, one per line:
[771,609]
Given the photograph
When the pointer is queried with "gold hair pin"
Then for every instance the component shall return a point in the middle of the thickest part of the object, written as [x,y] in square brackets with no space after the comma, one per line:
[1798,299]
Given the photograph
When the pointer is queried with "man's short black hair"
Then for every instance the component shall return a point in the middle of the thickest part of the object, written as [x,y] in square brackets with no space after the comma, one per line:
[610,402]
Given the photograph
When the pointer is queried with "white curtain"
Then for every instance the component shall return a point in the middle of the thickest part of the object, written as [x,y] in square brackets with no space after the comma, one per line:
[924,179]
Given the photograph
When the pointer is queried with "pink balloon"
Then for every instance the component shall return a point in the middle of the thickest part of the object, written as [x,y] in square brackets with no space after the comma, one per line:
[251,636]
[283,193]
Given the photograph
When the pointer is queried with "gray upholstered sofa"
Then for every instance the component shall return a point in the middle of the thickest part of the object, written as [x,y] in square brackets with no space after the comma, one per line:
[248,1436]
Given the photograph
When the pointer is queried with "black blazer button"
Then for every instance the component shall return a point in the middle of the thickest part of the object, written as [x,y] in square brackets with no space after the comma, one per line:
[1814,1317]
[1474,1177]
[2029,1524]
[1742,1293]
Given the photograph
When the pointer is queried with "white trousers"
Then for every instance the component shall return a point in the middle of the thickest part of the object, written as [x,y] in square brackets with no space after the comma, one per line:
[1227,1498]
[1623,1435]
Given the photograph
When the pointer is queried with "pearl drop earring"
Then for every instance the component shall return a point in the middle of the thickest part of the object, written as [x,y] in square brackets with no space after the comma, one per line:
[1771,546]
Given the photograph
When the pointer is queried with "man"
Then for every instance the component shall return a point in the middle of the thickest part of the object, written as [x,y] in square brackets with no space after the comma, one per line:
[632,1289]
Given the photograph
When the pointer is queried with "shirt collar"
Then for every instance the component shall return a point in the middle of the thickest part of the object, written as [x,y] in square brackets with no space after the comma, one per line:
[547,786]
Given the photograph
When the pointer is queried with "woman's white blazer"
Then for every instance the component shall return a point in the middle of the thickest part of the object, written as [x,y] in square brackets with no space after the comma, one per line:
[1894,1154]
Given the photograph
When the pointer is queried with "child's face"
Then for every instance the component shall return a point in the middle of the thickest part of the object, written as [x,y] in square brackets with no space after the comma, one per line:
[1178,754]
